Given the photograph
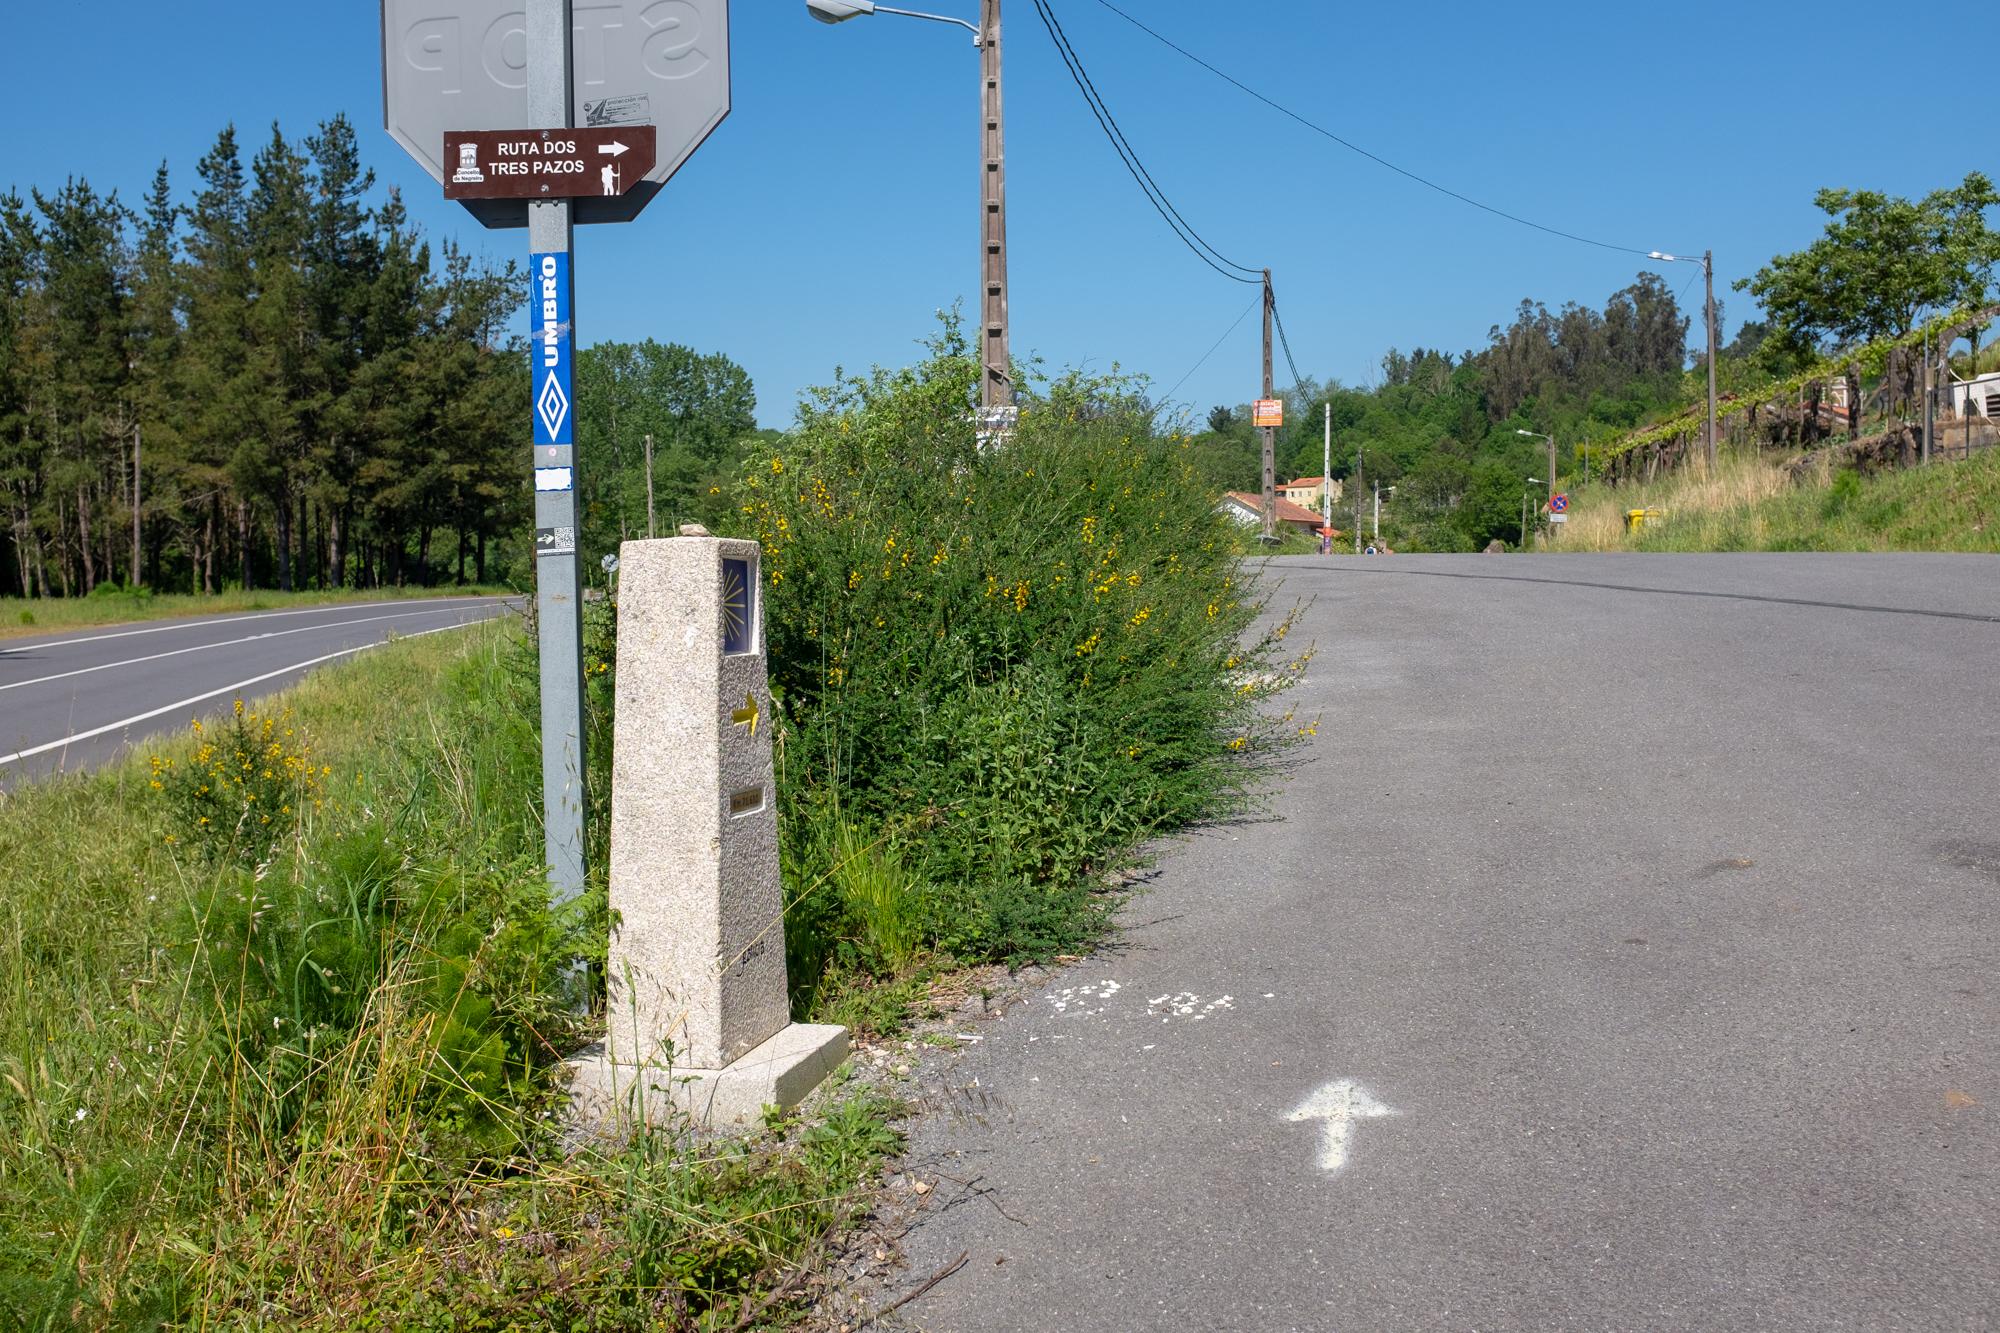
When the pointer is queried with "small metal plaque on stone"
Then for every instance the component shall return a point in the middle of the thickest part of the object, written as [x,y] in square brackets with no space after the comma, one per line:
[739,608]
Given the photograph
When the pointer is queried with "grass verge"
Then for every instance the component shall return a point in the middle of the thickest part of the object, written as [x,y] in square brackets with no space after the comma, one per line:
[113,605]
[1753,505]
[299,1072]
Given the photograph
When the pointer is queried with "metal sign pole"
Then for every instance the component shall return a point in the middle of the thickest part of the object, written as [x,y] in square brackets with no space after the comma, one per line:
[558,606]
[484,95]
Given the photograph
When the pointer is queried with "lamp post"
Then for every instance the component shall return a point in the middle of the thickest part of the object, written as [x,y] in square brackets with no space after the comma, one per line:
[996,380]
[1532,481]
[1552,465]
[1537,435]
[1707,262]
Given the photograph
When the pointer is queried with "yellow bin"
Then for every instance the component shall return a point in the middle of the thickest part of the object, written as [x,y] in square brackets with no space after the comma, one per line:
[1639,518]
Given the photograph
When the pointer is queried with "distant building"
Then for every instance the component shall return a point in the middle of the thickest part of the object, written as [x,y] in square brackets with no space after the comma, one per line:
[1308,491]
[1248,510]
[1978,396]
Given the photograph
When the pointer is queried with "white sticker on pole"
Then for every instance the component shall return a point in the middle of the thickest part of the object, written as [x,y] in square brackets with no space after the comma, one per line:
[554,479]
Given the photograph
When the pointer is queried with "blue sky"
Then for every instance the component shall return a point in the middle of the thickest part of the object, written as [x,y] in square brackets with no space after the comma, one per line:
[836,209]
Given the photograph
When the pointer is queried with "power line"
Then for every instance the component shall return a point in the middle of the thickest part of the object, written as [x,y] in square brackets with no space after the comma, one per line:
[1357,148]
[1062,39]
[1205,252]
[1155,195]
[1168,396]
[1684,287]
[1285,342]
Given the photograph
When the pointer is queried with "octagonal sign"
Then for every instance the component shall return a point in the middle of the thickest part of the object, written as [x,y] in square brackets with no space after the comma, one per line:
[462,65]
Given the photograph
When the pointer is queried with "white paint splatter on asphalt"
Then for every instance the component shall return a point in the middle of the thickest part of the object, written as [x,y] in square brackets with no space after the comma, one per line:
[1081,996]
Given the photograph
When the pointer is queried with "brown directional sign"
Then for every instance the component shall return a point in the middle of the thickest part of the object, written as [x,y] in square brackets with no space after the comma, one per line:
[547,164]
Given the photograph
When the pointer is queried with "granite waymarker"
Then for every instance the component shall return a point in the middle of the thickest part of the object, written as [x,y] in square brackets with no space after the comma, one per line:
[698,1014]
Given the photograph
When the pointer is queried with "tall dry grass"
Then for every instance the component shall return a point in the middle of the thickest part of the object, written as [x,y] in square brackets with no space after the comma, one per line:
[1692,500]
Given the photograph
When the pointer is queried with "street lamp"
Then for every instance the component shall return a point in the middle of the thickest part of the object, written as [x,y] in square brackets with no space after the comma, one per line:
[1532,481]
[839,11]
[1707,262]
[996,382]
[1378,509]
[1552,458]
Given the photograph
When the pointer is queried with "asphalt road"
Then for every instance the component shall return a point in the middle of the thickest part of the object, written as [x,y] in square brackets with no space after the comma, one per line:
[1639,914]
[72,701]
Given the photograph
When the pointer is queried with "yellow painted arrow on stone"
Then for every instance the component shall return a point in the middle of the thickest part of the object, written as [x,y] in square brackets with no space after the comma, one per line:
[747,715]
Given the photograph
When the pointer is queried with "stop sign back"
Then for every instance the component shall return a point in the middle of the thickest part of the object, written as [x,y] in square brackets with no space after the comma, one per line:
[462,65]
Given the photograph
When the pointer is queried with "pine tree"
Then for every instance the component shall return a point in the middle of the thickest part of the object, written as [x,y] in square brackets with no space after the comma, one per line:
[83,368]
[156,347]
[216,287]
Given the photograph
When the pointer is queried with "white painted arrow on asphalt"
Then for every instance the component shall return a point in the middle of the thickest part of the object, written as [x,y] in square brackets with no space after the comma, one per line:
[1340,1103]
[614,148]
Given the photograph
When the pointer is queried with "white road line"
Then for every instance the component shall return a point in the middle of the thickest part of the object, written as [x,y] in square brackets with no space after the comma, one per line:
[224,643]
[163,627]
[94,732]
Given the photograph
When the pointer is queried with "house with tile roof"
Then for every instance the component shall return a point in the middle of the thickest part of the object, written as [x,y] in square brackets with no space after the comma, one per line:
[1248,510]
[1307,492]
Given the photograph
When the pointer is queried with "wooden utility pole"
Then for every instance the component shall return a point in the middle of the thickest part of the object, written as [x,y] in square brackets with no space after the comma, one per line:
[649,488]
[1708,271]
[1930,401]
[1270,432]
[1359,486]
[996,381]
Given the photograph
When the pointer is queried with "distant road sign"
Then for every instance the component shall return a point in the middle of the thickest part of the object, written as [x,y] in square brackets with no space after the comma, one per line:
[1268,412]
[1559,505]
[547,164]
[462,65]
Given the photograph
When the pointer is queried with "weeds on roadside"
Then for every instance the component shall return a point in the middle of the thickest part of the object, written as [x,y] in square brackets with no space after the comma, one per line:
[1750,504]
[251,782]
[303,1080]
[997,670]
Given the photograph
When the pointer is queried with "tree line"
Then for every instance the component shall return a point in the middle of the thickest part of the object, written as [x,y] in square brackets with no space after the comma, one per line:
[270,383]
[277,383]
[1442,427]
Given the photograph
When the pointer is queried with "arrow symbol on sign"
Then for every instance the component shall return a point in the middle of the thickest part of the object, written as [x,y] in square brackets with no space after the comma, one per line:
[614,148]
[747,715]
[1340,1103]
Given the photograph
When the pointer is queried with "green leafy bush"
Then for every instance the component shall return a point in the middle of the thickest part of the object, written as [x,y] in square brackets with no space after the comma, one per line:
[1008,666]
[105,592]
